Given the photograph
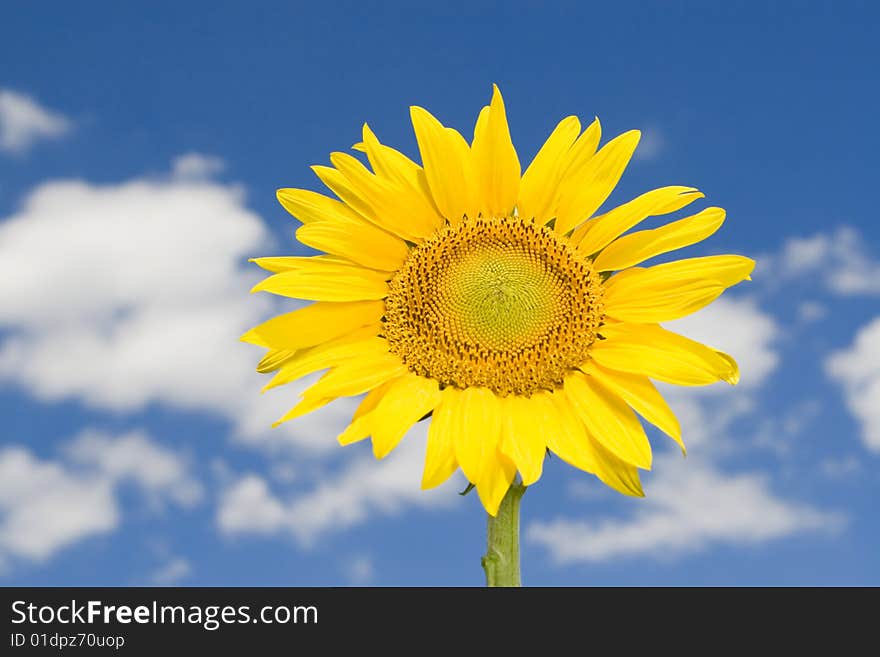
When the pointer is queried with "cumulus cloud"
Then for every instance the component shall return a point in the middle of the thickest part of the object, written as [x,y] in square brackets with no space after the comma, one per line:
[783,431]
[128,294]
[196,166]
[689,508]
[337,502]
[359,569]
[650,145]
[47,505]
[23,121]
[136,458]
[857,369]
[249,506]
[811,311]
[844,467]
[838,259]
[171,573]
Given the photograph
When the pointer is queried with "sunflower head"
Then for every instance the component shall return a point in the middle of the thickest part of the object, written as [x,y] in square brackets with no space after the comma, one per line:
[497,303]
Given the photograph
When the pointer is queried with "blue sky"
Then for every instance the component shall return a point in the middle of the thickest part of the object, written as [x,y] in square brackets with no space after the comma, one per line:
[140,148]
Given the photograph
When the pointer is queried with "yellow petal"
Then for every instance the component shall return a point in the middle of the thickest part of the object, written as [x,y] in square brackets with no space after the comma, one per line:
[328,354]
[636,247]
[726,270]
[395,206]
[612,471]
[652,351]
[360,423]
[465,155]
[567,437]
[648,304]
[476,424]
[358,375]
[278,264]
[394,165]
[574,445]
[388,162]
[314,324]
[371,400]
[440,460]
[406,401]
[274,359]
[360,242]
[498,475]
[609,420]
[733,368]
[445,159]
[674,289]
[357,430]
[308,206]
[496,164]
[596,234]
[583,149]
[482,122]
[641,395]
[345,190]
[306,405]
[540,183]
[523,431]
[587,187]
[468,192]
[321,280]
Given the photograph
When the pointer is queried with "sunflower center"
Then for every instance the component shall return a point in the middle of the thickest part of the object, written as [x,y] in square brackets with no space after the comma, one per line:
[500,303]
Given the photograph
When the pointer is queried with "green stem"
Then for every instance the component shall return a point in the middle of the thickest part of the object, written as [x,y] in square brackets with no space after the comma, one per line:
[501,562]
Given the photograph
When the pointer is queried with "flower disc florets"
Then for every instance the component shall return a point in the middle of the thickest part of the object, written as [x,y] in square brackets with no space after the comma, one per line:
[501,303]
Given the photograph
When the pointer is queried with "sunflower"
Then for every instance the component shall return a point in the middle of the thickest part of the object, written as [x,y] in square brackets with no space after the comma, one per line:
[496,303]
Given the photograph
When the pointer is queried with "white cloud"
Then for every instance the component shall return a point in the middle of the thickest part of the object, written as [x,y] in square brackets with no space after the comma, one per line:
[249,506]
[24,121]
[857,369]
[47,505]
[840,468]
[335,503]
[689,509]
[811,311]
[172,572]
[650,144]
[285,473]
[84,254]
[359,569]
[783,431]
[44,507]
[134,457]
[129,294]
[196,166]
[838,259]
[705,419]
[803,255]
